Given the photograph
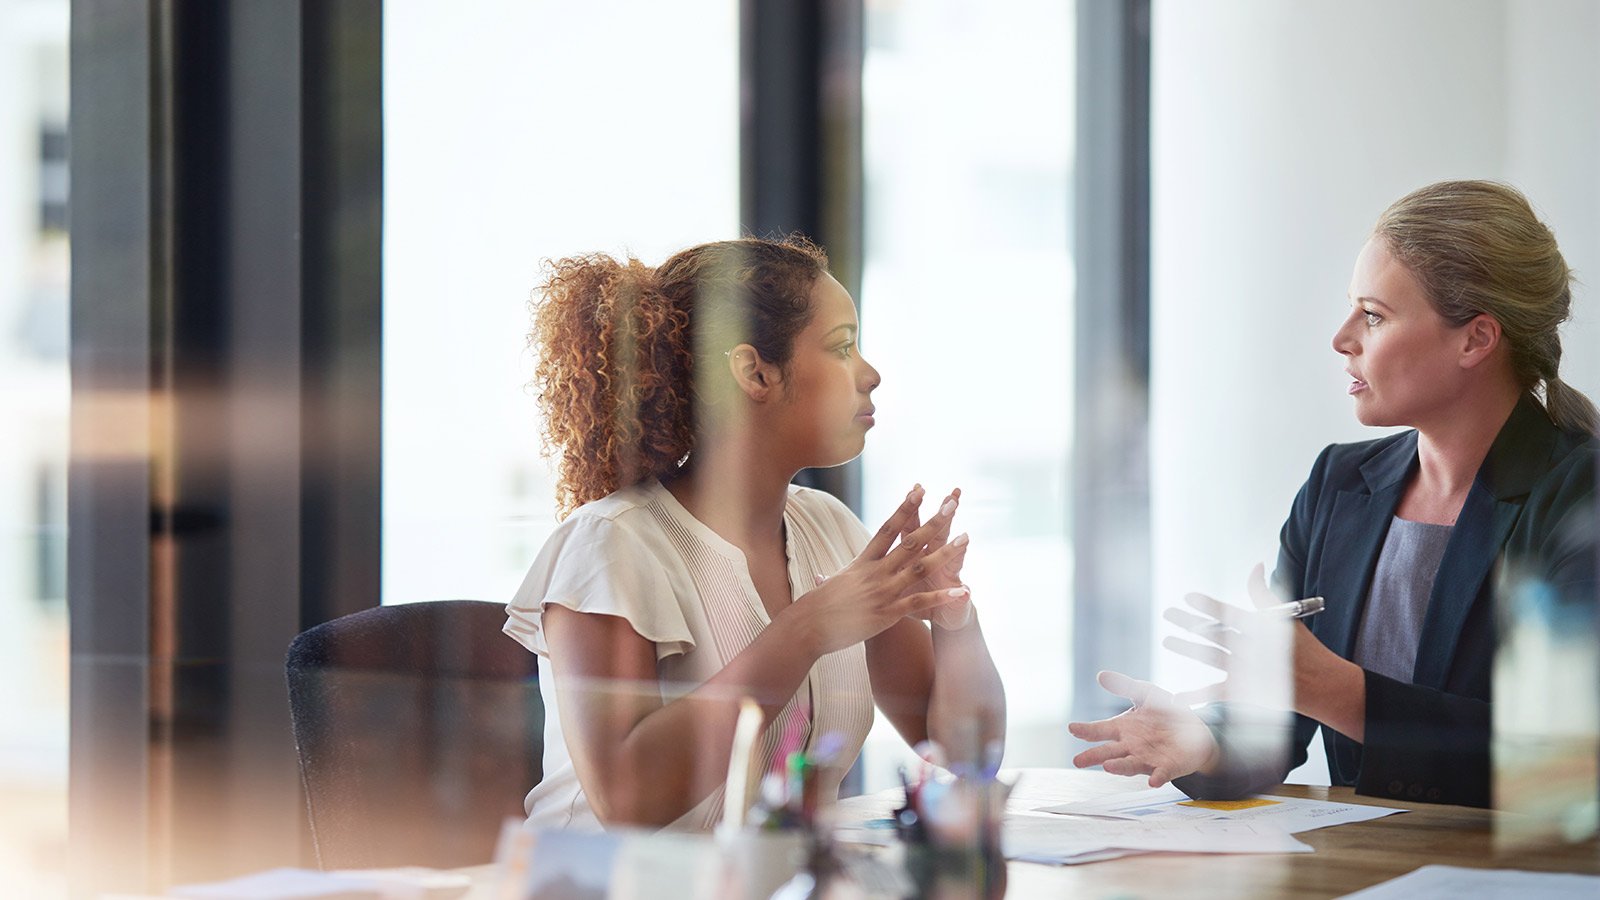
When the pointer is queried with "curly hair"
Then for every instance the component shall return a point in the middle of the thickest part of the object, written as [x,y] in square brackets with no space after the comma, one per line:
[619,343]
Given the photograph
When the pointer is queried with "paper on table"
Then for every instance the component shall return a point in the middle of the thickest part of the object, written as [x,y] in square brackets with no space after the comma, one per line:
[1450,882]
[1294,814]
[1063,839]
[1121,805]
[1168,804]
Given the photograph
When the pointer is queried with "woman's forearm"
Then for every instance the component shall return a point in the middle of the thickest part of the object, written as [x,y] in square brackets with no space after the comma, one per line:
[677,755]
[1333,691]
[967,705]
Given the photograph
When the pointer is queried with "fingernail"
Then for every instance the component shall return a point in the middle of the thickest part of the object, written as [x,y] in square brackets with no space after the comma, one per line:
[957,592]
[916,492]
[961,540]
[948,509]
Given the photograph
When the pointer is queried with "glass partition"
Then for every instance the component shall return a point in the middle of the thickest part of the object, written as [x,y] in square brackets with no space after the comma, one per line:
[967,311]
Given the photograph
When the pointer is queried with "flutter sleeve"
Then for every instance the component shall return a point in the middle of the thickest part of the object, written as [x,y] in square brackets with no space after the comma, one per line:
[597,564]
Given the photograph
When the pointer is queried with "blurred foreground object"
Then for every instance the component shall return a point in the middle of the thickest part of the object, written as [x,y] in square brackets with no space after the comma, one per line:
[1546,743]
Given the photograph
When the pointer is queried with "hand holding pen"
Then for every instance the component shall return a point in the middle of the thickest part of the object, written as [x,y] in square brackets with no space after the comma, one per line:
[1294,609]
[1255,649]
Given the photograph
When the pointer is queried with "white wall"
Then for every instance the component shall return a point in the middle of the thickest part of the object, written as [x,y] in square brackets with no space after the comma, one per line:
[1280,132]
[1553,149]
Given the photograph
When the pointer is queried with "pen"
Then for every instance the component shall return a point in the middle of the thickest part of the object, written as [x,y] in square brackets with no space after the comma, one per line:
[1297,609]
[1294,609]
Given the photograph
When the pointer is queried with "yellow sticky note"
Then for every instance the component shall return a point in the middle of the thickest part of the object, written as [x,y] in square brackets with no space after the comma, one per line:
[1228,805]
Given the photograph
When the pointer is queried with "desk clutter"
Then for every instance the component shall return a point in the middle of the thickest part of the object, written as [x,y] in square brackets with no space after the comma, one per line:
[779,839]
[947,831]
[627,864]
[1037,826]
[869,846]
[1164,819]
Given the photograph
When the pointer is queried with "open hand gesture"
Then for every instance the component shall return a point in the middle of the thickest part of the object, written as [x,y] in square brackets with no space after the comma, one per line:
[957,613]
[885,583]
[1159,737]
[1266,660]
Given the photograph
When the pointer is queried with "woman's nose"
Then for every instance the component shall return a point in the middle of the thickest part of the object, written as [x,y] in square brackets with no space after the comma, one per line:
[871,378]
[1342,343]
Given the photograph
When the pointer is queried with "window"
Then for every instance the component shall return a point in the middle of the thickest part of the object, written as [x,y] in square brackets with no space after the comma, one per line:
[967,311]
[34,401]
[514,132]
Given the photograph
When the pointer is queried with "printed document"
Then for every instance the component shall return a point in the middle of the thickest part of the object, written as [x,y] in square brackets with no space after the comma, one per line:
[1450,882]
[1168,804]
[1063,840]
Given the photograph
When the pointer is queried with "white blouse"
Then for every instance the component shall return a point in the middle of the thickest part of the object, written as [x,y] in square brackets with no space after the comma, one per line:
[639,554]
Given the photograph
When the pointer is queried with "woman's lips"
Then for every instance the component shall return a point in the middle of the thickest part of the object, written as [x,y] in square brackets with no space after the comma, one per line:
[1356,386]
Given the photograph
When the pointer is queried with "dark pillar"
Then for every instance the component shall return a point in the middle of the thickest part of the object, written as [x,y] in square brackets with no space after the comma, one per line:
[1111,464]
[800,145]
[226,325]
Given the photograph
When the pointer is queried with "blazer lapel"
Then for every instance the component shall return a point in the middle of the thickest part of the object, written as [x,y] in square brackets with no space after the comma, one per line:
[1474,547]
[1520,454]
[1355,535]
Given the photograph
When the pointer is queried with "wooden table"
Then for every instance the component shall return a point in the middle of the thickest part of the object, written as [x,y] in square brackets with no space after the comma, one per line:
[1347,858]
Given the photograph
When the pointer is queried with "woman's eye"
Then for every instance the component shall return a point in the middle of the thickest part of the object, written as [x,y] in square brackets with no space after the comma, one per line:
[845,350]
[1372,317]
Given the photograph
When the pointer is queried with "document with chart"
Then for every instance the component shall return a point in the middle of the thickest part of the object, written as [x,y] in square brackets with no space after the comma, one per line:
[1168,804]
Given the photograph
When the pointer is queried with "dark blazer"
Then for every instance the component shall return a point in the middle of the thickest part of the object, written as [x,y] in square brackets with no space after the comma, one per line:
[1529,514]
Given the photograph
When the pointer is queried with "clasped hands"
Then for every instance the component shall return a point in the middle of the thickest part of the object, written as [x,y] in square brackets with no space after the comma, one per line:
[1262,658]
[908,568]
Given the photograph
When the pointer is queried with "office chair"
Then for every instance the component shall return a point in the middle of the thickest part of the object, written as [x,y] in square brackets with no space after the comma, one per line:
[419,729]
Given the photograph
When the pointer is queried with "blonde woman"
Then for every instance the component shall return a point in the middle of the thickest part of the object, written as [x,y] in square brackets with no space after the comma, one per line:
[1452,330]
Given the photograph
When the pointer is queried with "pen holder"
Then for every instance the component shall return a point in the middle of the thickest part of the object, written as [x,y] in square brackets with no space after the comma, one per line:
[973,871]
[950,833]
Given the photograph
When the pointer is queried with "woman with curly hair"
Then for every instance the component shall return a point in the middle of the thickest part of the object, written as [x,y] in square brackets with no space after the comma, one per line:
[689,572]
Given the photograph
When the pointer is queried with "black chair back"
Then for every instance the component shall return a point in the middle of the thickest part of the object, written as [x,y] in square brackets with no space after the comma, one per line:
[419,729]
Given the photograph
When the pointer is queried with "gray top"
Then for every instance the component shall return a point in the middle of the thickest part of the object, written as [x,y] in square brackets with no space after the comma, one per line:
[1391,626]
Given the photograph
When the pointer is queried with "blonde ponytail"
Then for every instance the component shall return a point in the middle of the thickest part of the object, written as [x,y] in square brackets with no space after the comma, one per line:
[1569,408]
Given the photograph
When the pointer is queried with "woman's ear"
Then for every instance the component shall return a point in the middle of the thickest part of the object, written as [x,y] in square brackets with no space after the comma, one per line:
[1482,338]
[756,377]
